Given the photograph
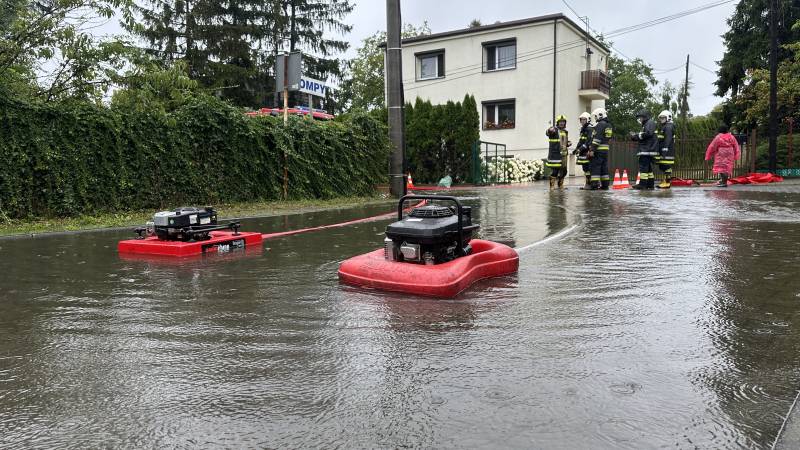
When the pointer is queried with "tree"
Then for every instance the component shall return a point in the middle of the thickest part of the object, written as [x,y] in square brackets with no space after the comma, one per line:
[302,26]
[364,84]
[231,46]
[667,94]
[217,42]
[439,139]
[632,83]
[753,100]
[475,23]
[747,41]
[149,87]
[52,36]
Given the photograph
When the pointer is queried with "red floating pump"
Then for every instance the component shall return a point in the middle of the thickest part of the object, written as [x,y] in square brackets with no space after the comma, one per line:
[188,231]
[430,252]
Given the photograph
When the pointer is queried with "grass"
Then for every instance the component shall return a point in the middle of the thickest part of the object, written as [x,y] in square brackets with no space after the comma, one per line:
[10,227]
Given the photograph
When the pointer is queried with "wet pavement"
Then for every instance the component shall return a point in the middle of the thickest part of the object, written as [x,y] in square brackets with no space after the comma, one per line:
[637,320]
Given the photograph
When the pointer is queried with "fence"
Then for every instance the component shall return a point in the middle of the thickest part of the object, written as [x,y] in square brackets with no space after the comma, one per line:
[690,160]
[487,163]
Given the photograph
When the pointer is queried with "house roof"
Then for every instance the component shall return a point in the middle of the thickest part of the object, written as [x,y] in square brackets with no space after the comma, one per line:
[500,26]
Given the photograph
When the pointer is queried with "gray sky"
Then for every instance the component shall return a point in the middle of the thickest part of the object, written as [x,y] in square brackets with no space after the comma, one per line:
[663,46]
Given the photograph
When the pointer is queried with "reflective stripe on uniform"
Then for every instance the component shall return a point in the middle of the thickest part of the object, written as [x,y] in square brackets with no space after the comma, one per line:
[603,147]
[555,140]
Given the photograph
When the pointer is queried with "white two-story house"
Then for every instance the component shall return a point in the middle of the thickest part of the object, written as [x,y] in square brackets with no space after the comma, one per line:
[522,73]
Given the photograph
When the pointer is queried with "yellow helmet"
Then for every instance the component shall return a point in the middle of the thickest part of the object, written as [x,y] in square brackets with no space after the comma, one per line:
[561,118]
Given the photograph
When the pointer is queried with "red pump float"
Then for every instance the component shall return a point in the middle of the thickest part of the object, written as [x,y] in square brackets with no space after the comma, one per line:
[188,231]
[431,253]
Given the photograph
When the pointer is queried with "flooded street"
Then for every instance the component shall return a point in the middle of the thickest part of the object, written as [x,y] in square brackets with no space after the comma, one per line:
[643,320]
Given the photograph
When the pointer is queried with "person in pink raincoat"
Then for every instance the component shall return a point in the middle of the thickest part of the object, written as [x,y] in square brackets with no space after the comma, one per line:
[725,150]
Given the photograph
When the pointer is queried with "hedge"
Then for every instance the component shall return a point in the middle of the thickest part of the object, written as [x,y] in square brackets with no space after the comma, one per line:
[72,159]
[439,139]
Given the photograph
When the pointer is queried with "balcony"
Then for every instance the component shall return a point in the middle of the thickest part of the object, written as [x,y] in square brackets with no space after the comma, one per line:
[595,85]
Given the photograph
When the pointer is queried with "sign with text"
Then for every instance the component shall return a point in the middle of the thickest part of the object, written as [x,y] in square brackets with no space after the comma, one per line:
[314,87]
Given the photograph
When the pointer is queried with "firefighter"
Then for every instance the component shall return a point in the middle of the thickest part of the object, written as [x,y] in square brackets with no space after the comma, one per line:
[666,148]
[598,151]
[584,142]
[646,150]
[558,150]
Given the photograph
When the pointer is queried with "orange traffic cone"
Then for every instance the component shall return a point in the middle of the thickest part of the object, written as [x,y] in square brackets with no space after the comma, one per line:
[617,180]
[624,184]
[638,180]
[409,182]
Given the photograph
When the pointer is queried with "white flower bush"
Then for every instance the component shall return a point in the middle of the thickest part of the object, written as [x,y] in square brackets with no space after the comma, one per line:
[513,170]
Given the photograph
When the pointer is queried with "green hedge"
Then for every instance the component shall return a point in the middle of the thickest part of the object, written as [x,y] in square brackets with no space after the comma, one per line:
[72,159]
[439,139]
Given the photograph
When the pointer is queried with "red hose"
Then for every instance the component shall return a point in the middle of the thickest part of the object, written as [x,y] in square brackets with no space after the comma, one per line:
[337,225]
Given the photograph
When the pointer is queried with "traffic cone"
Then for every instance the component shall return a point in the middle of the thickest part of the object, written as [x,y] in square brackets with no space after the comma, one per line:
[638,180]
[617,180]
[409,182]
[625,183]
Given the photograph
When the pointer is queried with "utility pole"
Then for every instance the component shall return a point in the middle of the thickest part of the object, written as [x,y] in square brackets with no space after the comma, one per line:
[588,49]
[685,103]
[394,94]
[773,86]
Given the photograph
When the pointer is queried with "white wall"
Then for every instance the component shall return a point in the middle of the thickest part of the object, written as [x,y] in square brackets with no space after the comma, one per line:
[530,84]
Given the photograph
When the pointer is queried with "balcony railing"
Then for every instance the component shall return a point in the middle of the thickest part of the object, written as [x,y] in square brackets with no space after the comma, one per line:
[595,79]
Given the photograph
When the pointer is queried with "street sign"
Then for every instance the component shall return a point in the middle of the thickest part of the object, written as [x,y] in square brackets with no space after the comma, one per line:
[313,87]
[294,71]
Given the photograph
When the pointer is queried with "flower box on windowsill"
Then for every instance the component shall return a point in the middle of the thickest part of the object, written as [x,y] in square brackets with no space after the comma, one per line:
[506,125]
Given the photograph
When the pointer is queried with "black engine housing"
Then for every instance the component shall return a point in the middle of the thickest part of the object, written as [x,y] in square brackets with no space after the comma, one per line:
[430,234]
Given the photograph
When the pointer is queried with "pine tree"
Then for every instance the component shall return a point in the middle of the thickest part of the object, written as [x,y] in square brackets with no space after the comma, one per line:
[230,46]
[303,27]
[747,41]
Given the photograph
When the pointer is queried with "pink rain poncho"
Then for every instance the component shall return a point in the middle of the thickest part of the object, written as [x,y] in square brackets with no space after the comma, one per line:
[725,150]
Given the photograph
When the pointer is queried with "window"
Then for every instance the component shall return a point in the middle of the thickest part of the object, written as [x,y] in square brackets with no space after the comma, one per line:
[499,115]
[500,55]
[430,65]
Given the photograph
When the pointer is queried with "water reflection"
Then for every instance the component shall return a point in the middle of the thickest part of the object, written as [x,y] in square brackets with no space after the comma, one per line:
[751,322]
[663,320]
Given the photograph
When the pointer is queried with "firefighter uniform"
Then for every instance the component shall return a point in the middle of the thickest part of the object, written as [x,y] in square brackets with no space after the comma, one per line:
[666,148]
[601,136]
[582,152]
[558,138]
[647,150]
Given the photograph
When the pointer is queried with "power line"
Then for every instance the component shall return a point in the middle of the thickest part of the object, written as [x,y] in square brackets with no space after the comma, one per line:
[586,22]
[665,71]
[703,68]
[547,51]
[669,18]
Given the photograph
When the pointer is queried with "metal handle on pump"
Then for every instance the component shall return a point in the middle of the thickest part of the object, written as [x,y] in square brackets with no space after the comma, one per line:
[405,198]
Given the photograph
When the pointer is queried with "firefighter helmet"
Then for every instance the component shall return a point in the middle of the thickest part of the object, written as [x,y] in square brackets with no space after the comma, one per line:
[586,116]
[599,113]
[666,115]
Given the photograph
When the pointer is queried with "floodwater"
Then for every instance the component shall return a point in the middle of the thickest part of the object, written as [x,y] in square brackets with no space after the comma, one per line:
[643,320]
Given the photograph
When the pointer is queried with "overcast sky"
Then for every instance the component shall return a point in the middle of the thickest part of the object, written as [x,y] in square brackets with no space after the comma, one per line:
[663,46]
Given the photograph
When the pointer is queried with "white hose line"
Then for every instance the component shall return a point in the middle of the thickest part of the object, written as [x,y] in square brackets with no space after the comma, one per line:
[555,237]
[785,419]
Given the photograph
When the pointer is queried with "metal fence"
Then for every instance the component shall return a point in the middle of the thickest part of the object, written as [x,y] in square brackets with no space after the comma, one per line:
[690,160]
[488,163]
